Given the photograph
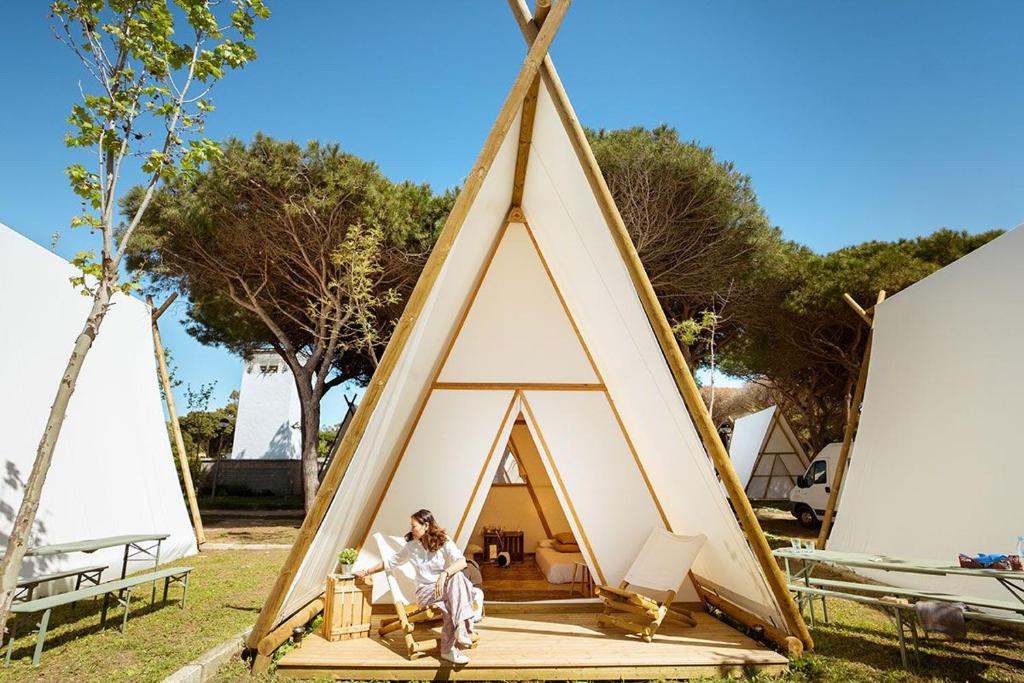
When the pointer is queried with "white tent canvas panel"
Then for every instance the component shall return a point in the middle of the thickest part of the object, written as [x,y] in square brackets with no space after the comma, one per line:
[938,463]
[112,471]
[766,454]
[624,447]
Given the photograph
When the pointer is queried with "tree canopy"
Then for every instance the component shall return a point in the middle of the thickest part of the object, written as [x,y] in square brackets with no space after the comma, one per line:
[697,226]
[308,250]
[269,219]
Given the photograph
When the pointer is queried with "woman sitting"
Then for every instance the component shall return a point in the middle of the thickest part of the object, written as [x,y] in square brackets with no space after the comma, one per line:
[439,579]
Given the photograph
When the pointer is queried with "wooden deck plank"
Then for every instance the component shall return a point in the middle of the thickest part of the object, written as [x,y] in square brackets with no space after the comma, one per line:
[543,646]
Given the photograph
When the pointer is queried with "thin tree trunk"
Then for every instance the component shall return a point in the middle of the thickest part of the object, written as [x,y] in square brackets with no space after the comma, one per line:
[17,544]
[711,408]
[310,442]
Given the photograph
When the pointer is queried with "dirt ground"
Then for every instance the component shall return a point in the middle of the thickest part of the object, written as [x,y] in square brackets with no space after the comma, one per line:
[235,528]
[781,523]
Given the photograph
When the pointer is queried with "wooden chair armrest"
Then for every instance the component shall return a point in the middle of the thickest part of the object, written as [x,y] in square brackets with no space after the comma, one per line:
[628,596]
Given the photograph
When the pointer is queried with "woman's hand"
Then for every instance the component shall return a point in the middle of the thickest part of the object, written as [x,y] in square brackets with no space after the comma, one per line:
[439,585]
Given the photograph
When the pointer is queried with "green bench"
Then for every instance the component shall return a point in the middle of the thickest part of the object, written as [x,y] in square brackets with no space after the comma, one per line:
[848,590]
[121,589]
[27,586]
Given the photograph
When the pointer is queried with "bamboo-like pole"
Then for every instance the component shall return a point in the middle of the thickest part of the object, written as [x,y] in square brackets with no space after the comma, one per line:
[851,427]
[179,443]
[464,201]
[857,309]
[526,118]
[670,348]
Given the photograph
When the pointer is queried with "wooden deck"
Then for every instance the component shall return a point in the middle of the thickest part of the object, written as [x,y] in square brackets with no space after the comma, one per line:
[544,642]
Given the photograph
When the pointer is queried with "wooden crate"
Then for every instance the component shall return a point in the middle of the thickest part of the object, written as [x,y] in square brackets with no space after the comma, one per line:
[347,609]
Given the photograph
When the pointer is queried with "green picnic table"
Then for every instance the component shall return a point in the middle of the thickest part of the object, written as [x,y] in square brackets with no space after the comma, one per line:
[808,588]
[135,546]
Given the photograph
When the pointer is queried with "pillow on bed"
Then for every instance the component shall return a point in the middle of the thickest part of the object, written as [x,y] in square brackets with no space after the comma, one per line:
[566,547]
[545,543]
[565,537]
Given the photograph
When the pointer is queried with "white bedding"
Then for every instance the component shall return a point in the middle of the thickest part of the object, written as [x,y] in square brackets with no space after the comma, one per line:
[556,566]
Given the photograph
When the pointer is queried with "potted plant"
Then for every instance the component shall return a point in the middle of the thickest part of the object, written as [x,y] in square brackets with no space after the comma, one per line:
[346,558]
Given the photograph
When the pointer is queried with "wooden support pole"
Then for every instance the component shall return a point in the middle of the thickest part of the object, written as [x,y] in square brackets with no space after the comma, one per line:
[781,639]
[857,309]
[179,443]
[666,338]
[526,119]
[456,218]
[851,427]
[276,638]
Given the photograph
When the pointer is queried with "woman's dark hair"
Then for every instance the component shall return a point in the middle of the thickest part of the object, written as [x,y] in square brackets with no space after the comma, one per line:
[435,536]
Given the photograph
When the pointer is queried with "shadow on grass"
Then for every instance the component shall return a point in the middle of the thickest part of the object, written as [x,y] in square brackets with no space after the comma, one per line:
[81,620]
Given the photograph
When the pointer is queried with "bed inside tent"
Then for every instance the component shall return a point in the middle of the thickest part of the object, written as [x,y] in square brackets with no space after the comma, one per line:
[521,512]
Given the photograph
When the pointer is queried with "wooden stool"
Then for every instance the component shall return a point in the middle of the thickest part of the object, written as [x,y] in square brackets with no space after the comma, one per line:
[347,608]
[586,582]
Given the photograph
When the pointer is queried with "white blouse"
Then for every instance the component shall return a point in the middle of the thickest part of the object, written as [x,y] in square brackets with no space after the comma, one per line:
[428,565]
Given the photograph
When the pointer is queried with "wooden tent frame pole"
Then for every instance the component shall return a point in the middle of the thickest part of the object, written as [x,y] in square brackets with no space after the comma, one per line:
[179,442]
[453,225]
[663,331]
[851,422]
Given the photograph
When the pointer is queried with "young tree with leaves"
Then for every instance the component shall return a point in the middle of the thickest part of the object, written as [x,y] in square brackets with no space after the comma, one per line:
[150,67]
[307,250]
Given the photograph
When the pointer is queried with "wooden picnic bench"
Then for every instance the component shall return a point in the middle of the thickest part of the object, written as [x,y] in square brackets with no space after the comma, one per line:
[121,589]
[27,586]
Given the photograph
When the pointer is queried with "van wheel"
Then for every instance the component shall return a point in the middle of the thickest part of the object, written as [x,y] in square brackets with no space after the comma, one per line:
[806,516]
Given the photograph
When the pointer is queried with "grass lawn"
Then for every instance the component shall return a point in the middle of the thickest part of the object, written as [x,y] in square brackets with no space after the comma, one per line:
[226,590]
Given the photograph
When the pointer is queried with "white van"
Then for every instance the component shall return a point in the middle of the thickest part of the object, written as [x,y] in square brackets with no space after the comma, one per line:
[810,495]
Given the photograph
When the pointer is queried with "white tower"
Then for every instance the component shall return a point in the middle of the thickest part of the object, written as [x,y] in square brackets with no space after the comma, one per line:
[268,425]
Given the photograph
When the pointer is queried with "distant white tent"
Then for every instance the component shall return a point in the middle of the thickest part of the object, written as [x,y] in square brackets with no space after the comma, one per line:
[766,454]
[112,471]
[939,462]
[534,308]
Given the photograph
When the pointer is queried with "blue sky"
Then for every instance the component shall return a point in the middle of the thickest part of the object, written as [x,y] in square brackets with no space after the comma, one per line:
[856,121]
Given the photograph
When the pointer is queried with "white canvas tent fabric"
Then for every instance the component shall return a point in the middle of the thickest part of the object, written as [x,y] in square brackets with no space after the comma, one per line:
[579,361]
[766,454]
[939,462]
[112,472]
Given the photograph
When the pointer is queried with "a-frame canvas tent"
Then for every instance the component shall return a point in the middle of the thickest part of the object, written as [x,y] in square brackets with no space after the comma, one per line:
[766,454]
[112,473]
[939,463]
[534,305]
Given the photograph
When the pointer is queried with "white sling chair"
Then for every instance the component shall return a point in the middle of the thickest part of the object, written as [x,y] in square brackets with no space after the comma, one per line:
[660,568]
[402,584]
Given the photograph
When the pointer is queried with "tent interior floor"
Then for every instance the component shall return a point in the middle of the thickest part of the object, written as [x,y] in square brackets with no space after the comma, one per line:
[522,582]
[543,642]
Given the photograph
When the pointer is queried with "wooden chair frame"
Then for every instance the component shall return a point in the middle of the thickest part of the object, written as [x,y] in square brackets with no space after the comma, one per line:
[644,615]
[406,621]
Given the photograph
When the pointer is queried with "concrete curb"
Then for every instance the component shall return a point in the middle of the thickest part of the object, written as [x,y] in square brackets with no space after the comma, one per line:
[245,546]
[205,667]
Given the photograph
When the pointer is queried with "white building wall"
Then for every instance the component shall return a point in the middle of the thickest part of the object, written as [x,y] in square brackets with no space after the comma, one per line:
[268,425]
